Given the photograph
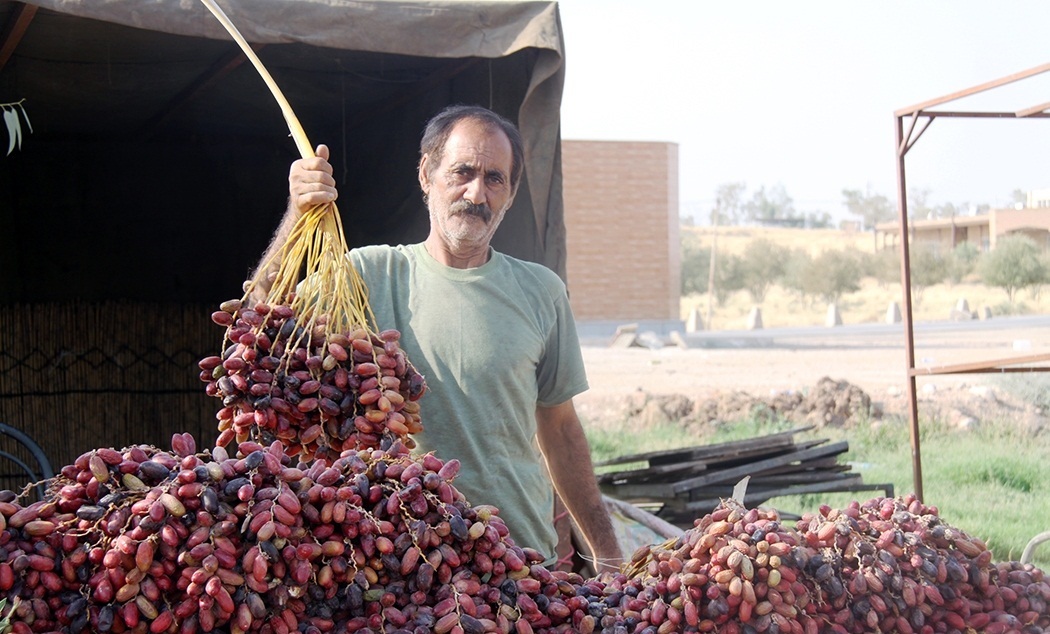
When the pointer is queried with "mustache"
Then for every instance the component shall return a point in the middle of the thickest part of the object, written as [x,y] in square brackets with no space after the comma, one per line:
[468,208]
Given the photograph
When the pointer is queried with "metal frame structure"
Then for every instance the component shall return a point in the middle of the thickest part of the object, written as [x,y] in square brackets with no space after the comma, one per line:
[905,139]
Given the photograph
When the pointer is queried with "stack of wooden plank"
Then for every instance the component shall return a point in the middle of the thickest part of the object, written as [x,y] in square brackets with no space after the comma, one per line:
[679,485]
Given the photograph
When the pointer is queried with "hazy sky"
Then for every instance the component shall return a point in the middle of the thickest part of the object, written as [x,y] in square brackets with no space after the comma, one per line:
[802,93]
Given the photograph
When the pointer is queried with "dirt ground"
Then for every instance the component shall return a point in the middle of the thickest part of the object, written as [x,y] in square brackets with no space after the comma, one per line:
[824,381]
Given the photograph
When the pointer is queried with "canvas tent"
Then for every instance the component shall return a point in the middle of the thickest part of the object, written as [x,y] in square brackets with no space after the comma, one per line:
[156,150]
[156,171]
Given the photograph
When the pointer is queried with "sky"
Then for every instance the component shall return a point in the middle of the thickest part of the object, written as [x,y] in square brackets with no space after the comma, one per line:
[801,93]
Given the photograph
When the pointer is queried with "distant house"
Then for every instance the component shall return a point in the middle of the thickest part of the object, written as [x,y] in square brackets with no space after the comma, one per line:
[1038,198]
[944,234]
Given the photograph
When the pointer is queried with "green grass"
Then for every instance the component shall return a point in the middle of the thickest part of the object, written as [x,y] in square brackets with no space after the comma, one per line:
[992,482]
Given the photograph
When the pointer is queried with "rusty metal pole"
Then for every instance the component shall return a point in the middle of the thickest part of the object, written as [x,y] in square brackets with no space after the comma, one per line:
[906,316]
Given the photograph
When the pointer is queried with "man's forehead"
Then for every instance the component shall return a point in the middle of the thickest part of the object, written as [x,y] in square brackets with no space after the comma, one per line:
[471,142]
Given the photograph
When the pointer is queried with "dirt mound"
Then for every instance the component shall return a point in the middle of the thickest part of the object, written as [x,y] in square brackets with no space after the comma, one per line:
[834,403]
[831,402]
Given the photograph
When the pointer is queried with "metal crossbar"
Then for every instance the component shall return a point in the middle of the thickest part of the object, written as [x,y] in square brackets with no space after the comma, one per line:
[43,469]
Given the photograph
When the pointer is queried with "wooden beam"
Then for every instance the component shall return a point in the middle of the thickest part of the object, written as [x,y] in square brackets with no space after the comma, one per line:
[995,83]
[651,473]
[661,492]
[753,468]
[668,456]
[966,114]
[829,487]
[1028,112]
[999,365]
[14,30]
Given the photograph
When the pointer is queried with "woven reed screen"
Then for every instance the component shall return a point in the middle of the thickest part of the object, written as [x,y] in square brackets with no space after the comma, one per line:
[78,376]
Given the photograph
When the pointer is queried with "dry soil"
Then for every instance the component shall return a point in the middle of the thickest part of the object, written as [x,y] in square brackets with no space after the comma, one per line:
[775,368]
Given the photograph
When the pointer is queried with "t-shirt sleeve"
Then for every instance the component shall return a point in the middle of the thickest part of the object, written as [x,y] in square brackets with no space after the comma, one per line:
[560,374]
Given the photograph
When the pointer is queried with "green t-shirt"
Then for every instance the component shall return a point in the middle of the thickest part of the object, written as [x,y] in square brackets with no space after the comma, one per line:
[492,342]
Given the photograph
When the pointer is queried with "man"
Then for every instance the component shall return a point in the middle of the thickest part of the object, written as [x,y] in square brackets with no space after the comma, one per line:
[493,335]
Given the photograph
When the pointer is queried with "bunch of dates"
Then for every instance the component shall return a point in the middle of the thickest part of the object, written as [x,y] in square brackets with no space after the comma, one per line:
[317,392]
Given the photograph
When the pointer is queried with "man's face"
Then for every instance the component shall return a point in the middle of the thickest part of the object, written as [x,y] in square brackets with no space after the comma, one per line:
[469,191]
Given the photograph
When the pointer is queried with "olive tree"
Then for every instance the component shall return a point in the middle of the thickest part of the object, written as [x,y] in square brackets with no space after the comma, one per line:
[928,267]
[696,260]
[1012,265]
[831,275]
[762,265]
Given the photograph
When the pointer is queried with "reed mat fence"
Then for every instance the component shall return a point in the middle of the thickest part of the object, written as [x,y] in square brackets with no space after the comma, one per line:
[78,376]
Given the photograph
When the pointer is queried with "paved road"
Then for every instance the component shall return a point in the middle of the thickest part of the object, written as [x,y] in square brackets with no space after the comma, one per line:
[870,355]
[1033,329]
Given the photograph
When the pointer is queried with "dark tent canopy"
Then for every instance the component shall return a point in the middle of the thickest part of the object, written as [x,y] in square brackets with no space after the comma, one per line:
[156,172]
[157,164]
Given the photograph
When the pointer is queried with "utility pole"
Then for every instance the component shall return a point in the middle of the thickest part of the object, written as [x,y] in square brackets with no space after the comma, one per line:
[711,269]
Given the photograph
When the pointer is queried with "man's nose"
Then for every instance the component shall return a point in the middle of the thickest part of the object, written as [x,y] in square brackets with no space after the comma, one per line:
[475,192]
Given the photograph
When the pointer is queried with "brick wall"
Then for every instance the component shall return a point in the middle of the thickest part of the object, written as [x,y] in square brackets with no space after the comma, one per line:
[621,221]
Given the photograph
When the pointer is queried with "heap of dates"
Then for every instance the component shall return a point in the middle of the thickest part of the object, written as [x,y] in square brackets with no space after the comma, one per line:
[317,392]
[143,540]
[312,514]
[886,565]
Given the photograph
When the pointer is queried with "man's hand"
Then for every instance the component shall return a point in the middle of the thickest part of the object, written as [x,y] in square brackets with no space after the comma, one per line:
[310,185]
[310,182]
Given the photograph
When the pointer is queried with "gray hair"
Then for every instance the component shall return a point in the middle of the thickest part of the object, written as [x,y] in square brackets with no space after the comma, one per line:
[439,128]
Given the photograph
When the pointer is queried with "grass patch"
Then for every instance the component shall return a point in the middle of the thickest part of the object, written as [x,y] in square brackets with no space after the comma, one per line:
[1032,388]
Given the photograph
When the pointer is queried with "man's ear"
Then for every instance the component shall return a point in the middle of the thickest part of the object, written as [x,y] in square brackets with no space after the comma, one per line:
[424,174]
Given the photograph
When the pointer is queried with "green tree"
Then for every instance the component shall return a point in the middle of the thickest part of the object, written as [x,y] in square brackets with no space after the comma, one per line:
[695,261]
[962,261]
[872,208]
[729,207]
[928,267]
[1037,289]
[818,220]
[831,275]
[729,277]
[762,266]
[1013,264]
[796,265]
[918,203]
[884,266]
[947,210]
[770,205]
[1018,197]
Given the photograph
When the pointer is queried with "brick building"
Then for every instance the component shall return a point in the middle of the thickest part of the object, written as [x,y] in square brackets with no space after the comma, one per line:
[622,236]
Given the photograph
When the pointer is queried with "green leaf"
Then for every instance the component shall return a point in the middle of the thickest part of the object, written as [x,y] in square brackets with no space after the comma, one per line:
[25,116]
[14,130]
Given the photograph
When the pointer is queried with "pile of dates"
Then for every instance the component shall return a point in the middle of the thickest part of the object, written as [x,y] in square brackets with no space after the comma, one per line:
[143,540]
[313,515]
[885,565]
[380,540]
